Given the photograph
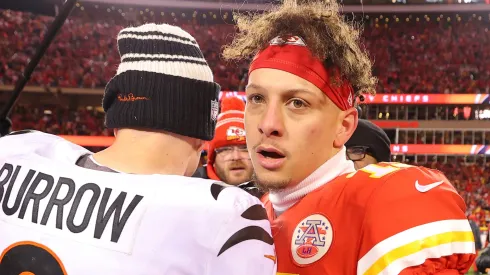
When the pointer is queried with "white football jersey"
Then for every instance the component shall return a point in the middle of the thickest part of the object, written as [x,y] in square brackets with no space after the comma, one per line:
[57,218]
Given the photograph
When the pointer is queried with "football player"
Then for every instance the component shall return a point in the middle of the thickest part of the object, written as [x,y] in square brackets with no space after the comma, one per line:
[327,218]
[132,209]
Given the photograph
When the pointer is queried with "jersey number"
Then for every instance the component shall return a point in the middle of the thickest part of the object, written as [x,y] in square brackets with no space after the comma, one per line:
[30,258]
[376,171]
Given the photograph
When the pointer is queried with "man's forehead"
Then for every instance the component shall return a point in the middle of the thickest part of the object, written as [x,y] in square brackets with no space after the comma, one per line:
[277,80]
[253,86]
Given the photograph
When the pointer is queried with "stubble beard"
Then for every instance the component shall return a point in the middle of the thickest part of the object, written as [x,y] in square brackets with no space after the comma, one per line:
[266,186]
[224,176]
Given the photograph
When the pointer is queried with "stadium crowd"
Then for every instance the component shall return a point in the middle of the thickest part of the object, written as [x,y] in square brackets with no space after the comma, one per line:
[473,183]
[443,56]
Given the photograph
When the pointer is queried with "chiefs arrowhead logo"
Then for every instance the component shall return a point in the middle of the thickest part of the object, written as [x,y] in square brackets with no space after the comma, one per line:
[288,40]
[235,133]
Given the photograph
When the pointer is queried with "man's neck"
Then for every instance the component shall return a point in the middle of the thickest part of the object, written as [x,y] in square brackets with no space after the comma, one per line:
[338,165]
[141,159]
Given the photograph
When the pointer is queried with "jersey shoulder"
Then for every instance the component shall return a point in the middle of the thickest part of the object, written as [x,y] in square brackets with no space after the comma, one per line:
[237,200]
[31,142]
[396,175]
[398,181]
[406,209]
[227,201]
[235,216]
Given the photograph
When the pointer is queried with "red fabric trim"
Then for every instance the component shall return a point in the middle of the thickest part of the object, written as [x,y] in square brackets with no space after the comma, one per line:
[299,60]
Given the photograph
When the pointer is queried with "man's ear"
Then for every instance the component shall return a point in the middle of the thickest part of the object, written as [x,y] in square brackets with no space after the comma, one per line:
[347,126]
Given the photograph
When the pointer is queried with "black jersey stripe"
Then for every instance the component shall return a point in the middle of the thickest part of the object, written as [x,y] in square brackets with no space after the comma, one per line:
[216,189]
[255,213]
[22,132]
[247,234]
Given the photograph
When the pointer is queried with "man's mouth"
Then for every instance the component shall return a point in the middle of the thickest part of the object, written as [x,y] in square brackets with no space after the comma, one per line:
[270,158]
[270,153]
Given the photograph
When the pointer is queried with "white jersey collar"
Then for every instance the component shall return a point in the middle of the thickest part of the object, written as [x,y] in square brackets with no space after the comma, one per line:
[338,165]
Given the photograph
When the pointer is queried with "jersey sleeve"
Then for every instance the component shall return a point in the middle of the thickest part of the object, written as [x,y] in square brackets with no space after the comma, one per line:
[415,223]
[244,244]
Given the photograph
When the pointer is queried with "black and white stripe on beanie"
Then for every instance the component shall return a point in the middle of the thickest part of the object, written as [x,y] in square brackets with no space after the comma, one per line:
[175,52]
[163,69]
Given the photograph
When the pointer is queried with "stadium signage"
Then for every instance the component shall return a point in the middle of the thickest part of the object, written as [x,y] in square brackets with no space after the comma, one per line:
[399,98]
[410,99]
[440,149]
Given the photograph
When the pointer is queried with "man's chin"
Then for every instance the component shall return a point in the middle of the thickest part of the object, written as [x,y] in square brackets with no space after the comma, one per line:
[270,182]
[238,178]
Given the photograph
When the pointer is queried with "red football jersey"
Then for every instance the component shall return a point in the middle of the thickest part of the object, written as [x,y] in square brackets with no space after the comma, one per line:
[387,218]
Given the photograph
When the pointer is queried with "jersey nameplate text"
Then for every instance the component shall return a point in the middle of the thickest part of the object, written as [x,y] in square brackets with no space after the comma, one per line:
[66,206]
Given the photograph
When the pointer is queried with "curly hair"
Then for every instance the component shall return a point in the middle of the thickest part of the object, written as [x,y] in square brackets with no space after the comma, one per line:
[319,23]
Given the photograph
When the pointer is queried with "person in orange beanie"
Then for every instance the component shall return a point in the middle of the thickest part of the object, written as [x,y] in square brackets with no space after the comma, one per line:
[228,158]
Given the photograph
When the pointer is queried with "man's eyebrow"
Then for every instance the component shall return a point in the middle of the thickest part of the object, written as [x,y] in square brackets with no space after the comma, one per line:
[298,90]
[254,87]
[288,91]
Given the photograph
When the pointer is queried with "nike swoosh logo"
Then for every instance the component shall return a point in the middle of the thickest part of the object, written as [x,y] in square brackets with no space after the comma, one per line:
[428,187]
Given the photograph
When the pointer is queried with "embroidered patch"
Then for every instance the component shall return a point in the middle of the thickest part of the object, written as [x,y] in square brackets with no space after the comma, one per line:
[130,97]
[288,40]
[311,239]
[214,110]
[350,100]
[235,134]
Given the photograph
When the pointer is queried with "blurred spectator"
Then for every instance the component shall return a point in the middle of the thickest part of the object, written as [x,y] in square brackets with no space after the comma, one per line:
[368,145]
[228,158]
[57,120]
[412,56]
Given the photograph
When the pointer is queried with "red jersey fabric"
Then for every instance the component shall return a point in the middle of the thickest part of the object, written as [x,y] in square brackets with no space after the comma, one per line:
[387,218]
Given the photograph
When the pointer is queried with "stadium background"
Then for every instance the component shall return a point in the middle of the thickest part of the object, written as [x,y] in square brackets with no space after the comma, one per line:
[431,57]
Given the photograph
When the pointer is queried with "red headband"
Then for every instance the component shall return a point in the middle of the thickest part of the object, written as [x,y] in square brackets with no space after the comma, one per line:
[290,54]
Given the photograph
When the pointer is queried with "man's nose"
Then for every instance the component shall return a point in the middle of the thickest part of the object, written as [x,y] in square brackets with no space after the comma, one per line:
[236,154]
[271,123]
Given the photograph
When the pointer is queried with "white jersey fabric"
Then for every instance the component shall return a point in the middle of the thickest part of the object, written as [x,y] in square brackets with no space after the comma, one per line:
[57,218]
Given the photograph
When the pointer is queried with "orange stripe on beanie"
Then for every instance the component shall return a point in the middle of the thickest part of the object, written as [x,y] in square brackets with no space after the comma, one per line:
[230,130]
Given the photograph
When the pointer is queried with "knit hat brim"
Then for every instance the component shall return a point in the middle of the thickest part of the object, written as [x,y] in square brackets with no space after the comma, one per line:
[131,101]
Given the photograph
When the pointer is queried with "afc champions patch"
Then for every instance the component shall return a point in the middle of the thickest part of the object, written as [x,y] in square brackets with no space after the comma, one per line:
[311,239]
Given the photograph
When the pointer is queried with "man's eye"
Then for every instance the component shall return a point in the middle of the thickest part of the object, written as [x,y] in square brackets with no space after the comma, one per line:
[297,103]
[256,99]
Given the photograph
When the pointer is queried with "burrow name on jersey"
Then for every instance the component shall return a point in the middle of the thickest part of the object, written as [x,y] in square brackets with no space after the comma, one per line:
[62,204]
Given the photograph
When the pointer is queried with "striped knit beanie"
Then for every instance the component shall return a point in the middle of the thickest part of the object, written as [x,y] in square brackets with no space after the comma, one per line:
[162,83]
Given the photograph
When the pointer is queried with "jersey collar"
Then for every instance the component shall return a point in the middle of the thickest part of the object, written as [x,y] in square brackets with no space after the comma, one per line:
[338,165]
